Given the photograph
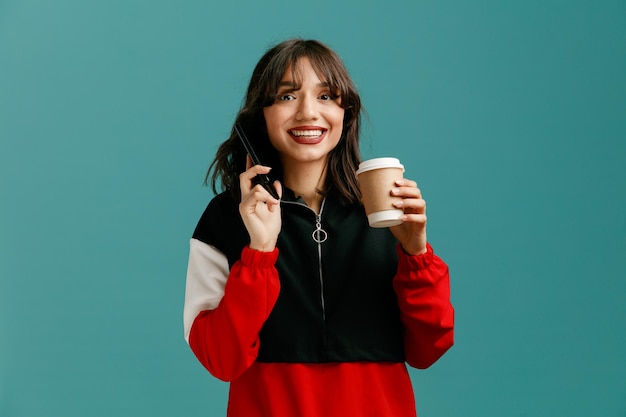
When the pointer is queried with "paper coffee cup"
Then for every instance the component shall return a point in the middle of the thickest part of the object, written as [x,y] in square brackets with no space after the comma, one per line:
[376,179]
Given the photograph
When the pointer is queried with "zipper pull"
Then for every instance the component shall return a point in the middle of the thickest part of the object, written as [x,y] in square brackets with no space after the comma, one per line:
[319,235]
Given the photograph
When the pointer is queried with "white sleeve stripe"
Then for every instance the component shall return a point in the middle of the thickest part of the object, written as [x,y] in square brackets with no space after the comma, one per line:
[207,272]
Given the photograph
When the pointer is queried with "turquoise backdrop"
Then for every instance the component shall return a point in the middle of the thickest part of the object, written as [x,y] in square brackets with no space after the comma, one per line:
[510,114]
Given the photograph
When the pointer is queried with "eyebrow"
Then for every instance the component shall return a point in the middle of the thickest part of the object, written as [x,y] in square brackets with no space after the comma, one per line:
[292,85]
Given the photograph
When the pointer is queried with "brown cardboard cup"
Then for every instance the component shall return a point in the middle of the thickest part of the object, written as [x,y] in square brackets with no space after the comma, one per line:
[376,179]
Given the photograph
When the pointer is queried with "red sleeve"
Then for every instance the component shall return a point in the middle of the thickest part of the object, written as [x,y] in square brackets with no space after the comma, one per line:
[422,285]
[226,340]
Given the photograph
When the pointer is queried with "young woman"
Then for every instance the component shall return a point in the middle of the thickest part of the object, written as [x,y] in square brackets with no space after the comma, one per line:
[296,301]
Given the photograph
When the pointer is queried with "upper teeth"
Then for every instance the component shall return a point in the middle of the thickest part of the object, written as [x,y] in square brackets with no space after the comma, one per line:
[307,133]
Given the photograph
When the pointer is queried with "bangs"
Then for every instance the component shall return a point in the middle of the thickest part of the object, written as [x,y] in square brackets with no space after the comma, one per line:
[326,64]
[326,72]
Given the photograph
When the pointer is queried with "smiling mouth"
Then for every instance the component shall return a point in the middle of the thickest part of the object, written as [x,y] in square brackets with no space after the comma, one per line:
[307,134]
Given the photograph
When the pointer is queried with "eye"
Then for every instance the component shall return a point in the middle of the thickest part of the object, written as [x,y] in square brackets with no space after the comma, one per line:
[285,97]
[328,97]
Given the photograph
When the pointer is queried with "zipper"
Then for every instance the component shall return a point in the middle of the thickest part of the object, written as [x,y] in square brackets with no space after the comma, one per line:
[319,235]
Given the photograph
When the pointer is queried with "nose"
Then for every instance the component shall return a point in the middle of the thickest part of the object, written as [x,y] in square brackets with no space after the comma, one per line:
[306,108]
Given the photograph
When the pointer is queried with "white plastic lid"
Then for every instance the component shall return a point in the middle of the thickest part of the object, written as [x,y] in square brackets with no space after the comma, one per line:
[378,163]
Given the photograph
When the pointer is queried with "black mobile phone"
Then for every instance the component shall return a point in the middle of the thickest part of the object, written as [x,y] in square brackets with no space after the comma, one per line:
[262,179]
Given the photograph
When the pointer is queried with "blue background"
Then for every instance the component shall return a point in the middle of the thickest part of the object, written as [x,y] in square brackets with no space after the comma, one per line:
[510,115]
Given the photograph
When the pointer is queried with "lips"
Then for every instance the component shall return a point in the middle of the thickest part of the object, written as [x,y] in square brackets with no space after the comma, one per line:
[307,135]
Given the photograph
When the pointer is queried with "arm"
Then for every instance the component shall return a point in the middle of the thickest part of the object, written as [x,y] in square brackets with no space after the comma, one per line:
[422,285]
[225,310]
[223,317]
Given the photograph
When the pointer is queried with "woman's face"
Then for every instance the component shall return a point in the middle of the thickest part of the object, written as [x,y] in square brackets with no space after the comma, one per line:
[304,125]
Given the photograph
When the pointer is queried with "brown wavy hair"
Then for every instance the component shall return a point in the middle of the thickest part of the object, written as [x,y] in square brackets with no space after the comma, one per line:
[343,160]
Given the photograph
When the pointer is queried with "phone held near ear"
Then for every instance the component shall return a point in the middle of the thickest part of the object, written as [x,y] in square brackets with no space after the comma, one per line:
[262,179]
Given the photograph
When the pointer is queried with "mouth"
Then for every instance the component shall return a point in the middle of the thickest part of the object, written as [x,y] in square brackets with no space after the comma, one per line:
[307,135]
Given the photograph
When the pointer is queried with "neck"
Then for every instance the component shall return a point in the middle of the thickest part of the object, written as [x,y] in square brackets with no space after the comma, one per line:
[305,181]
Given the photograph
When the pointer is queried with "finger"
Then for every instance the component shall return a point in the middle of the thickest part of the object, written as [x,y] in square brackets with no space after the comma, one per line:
[405,182]
[257,198]
[245,178]
[406,192]
[411,205]
[406,188]
[254,171]
[414,218]
[260,194]
[279,190]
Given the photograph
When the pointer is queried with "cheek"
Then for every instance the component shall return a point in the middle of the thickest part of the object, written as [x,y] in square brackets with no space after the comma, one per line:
[273,127]
[339,115]
[274,118]
[338,119]
[270,121]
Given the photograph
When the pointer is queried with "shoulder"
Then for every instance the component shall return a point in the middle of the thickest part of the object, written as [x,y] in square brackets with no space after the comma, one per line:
[220,220]
[223,202]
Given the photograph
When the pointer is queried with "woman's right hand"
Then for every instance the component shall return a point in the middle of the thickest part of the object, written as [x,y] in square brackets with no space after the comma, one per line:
[259,210]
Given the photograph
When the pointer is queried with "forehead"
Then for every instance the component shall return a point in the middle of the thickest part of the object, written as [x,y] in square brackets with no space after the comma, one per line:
[303,69]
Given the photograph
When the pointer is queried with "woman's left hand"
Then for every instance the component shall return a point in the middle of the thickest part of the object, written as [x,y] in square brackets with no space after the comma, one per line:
[412,232]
